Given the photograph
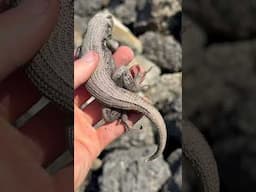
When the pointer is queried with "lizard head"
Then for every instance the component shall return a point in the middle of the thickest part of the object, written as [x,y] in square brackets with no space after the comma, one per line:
[99,31]
[104,21]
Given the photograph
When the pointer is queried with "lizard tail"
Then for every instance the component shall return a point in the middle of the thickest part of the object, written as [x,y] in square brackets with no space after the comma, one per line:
[119,98]
[156,118]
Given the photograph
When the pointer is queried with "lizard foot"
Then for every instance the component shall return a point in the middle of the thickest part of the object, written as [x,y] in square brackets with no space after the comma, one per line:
[110,115]
[130,79]
[127,123]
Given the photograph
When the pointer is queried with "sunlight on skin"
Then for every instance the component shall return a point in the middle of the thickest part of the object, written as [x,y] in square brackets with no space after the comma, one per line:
[88,141]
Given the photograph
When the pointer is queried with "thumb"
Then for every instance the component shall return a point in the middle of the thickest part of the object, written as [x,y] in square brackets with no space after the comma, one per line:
[84,67]
[23,30]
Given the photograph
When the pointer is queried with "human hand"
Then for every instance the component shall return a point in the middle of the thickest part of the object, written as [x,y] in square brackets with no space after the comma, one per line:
[88,141]
[25,153]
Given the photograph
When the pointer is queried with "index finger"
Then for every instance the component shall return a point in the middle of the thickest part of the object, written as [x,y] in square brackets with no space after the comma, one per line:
[123,56]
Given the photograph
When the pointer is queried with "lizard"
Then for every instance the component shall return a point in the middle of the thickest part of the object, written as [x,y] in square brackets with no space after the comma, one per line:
[115,87]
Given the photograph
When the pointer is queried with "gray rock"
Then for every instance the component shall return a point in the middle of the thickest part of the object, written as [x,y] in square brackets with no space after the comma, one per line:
[165,51]
[174,159]
[173,117]
[156,15]
[126,171]
[165,8]
[80,25]
[174,183]
[166,91]
[87,8]
[173,124]
[177,107]
[125,11]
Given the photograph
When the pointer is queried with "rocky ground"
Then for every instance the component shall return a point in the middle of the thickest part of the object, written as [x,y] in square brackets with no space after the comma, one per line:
[152,29]
[219,46]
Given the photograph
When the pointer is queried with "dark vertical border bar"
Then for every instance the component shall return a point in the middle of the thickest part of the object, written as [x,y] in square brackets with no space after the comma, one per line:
[219,87]
[35,37]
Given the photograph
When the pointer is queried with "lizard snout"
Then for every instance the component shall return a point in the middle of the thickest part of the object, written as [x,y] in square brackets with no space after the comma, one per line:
[110,20]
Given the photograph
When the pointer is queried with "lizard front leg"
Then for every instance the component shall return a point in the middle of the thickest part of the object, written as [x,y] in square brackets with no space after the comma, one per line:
[130,79]
[110,115]
[127,122]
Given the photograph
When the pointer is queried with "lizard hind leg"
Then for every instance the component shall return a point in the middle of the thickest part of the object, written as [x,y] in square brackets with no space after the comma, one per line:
[128,124]
[123,77]
[110,115]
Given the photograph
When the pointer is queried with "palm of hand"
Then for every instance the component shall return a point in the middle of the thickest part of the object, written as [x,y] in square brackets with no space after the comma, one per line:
[88,141]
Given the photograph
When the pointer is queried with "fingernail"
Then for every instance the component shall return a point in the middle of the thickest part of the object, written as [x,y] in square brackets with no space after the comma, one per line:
[90,57]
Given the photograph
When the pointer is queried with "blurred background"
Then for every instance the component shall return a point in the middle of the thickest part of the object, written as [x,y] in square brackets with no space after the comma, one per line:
[152,28]
[219,95]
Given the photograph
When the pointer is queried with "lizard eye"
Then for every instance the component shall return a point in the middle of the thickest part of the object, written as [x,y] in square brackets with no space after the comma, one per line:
[109,17]
[110,21]
[105,43]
